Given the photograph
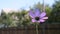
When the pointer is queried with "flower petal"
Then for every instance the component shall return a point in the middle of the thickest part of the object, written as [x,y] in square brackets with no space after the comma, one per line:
[44,18]
[38,21]
[31,14]
[41,20]
[37,12]
[33,20]
[42,14]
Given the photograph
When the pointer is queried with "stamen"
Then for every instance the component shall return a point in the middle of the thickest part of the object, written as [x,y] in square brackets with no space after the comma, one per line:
[37,18]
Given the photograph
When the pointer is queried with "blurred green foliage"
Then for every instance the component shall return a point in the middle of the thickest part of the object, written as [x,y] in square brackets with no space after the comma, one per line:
[21,18]
[55,14]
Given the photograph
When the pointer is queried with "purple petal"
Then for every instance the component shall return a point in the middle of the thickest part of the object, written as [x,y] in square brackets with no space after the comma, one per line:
[44,18]
[33,20]
[38,21]
[31,14]
[41,20]
[37,12]
[42,14]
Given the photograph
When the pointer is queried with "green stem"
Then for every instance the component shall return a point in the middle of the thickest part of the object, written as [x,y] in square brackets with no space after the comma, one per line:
[36,29]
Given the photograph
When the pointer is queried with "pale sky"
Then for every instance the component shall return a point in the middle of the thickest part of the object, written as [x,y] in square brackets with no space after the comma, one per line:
[25,4]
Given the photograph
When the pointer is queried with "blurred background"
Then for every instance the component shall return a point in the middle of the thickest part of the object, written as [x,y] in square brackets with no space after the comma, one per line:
[14,13]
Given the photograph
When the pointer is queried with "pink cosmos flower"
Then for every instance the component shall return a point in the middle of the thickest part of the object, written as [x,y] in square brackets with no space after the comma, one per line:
[37,16]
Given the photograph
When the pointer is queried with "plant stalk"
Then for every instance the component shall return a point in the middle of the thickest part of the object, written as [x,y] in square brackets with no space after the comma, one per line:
[36,29]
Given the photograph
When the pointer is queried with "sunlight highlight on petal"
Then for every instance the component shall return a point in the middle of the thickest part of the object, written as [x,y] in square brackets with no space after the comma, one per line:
[33,20]
[45,18]
[41,20]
